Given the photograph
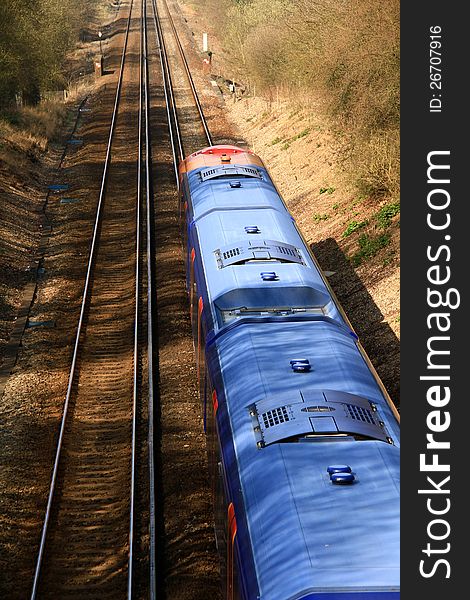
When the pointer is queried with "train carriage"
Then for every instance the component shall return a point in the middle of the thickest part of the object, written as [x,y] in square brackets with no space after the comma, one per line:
[303,441]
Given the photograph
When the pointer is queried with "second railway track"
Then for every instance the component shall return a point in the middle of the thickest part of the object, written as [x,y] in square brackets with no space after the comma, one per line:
[181,94]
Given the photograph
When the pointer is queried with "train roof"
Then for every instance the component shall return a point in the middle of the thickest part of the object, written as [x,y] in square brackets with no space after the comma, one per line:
[257,260]
[288,427]
[264,350]
[232,190]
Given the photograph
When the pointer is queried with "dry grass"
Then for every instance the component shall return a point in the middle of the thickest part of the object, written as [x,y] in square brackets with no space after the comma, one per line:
[340,58]
[30,129]
[376,164]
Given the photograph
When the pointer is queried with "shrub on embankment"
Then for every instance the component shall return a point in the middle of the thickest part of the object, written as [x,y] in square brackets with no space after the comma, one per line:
[341,55]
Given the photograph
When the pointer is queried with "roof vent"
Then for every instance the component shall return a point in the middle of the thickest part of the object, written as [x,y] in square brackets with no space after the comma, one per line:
[256,249]
[300,365]
[275,416]
[232,252]
[227,170]
[252,229]
[315,414]
[359,413]
[269,276]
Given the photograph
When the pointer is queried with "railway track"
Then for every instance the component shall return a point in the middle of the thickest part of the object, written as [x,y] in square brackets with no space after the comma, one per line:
[184,106]
[92,520]
[87,540]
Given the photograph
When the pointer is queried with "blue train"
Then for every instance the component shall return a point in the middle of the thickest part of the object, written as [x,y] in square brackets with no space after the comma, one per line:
[303,440]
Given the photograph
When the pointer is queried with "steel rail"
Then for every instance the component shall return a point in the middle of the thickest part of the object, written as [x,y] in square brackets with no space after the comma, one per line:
[189,77]
[86,289]
[173,126]
[150,322]
[137,319]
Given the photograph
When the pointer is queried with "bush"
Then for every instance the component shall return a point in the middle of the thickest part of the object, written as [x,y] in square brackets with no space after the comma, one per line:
[344,54]
[376,163]
[34,38]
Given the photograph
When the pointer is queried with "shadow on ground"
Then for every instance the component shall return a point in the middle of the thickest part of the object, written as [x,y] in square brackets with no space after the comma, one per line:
[377,337]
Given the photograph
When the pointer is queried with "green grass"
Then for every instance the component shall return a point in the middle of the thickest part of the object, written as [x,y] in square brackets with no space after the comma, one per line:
[302,134]
[289,141]
[385,215]
[317,217]
[352,227]
[369,246]
[327,190]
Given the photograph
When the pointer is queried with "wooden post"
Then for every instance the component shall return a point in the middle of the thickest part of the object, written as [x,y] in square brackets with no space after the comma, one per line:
[98,68]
